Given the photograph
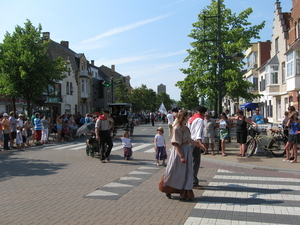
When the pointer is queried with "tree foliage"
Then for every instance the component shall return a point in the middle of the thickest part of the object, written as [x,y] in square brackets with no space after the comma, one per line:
[163,97]
[25,68]
[122,92]
[202,74]
[143,99]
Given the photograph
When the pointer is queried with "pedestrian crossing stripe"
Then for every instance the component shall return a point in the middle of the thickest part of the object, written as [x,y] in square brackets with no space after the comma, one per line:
[115,184]
[255,178]
[138,172]
[210,221]
[130,178]
[116,189]
[101,193]
[265,209]
[229,196]
[146,147]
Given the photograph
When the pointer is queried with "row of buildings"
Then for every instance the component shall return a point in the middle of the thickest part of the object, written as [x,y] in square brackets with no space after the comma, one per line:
[274,67]
[83,90]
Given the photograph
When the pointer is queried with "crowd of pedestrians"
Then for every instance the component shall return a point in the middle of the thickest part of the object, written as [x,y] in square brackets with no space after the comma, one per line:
[19,133]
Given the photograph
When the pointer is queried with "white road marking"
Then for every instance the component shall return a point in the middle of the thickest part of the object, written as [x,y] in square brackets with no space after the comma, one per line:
[101,193]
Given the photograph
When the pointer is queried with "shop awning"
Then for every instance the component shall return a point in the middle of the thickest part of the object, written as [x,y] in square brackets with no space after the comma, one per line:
[249,105]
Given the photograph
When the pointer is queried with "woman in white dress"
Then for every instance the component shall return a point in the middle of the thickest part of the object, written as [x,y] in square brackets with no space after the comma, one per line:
[178,177]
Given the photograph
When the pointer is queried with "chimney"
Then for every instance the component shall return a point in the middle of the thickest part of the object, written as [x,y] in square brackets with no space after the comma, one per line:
[46,36]
[65,44]
[113,68]
[92,62]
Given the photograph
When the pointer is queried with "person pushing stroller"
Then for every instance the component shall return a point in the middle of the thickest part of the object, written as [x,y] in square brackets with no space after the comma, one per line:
[102,132]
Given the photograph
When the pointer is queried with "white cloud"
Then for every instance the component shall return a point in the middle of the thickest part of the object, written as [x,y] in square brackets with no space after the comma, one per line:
[124,28]
[173,3]
[142,57]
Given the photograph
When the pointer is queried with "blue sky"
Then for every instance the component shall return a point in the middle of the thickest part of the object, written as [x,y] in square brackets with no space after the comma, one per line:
[145,39]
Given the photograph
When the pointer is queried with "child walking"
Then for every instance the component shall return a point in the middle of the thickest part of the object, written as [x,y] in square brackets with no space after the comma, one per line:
[160,147]
[127,145]
[19,138]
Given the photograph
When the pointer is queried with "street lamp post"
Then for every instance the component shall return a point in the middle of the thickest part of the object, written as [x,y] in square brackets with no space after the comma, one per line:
[221,57]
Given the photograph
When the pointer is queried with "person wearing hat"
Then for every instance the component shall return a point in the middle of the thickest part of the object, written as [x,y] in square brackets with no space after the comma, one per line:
[196,126]
[20,121]
[160,147]
[102,131]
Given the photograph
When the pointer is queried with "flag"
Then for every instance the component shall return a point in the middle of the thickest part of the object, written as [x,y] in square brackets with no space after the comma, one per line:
[162,109]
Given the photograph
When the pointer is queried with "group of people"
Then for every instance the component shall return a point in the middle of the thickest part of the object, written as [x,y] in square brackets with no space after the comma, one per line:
[225,123]
[184,161]
[291,126]
[15,133]
[191,134]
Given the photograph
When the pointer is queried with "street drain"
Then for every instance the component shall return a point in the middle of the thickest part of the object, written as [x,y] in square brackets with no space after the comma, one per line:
[264,169]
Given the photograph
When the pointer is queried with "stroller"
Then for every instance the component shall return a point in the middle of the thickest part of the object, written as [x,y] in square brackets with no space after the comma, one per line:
[92,146]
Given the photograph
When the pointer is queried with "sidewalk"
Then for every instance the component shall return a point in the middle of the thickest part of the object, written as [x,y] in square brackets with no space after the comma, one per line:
[265,161]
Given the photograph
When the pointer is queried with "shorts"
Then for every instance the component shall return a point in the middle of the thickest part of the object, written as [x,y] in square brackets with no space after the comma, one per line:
[13,135]
[58,126]
[293,138]
[241,137]
[209,140]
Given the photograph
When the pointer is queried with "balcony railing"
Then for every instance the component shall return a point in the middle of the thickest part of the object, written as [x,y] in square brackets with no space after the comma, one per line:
[83,73]
[84,95]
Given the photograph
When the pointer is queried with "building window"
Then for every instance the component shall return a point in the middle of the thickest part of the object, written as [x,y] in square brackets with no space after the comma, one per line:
[290,64]
[67,88]
[276,45]
[71,88]
[270,109]
[83,86]
[297,62]
[283,72]
[274,75]
[297,30]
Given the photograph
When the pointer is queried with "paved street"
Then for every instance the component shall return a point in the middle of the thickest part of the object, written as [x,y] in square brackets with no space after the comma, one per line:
[60,184]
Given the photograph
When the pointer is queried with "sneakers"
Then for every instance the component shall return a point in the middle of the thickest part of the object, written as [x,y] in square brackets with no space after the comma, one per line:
[286,160]
[158,164]
[164,164]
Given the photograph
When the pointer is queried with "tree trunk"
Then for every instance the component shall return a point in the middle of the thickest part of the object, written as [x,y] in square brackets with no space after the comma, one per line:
[28,107]
[14,105]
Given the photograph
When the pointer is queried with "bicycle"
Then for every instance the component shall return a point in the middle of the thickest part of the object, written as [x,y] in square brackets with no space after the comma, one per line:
[272,144]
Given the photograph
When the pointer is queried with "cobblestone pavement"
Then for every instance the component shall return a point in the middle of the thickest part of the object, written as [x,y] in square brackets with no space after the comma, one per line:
[60,184]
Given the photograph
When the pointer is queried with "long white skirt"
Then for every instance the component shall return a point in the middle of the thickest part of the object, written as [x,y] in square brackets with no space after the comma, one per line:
[45,134]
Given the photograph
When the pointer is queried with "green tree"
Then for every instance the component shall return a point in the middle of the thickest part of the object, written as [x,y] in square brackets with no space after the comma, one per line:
[143,99]
[122,92]
[25,68]
[188,95]
[202,74]
[163,97]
